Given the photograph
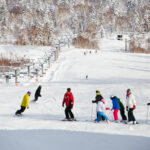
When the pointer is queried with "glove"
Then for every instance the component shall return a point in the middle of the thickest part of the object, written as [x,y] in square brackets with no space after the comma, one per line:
[134,107]
[62,105]
[126,108]
[107,108]
[93,101]
[71,106]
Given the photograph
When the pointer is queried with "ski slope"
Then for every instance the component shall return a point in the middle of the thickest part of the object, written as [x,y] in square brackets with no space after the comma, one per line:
[111,71]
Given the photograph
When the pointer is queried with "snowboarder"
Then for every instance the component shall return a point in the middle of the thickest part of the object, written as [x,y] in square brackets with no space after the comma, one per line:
[99,109]
[98,98]
[69,101]
[24,104]
[130,106]
[115,107]
[122,111]
[38,93]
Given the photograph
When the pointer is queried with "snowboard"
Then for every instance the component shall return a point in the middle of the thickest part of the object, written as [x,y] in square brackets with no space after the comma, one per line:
[69,120]
[18,115]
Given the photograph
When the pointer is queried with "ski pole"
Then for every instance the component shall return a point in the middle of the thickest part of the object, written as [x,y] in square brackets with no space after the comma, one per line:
[147,115]
[110,116]
[148,104]
[92,113]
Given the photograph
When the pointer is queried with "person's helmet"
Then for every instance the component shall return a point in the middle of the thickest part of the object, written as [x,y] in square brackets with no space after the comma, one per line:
[97,91]
[111,97]
[128,90]
[29,92]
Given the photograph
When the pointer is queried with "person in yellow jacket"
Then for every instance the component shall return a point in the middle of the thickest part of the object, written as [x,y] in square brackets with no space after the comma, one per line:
[24,104]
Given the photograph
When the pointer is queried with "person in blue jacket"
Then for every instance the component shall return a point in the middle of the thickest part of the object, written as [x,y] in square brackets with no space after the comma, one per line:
[115,107]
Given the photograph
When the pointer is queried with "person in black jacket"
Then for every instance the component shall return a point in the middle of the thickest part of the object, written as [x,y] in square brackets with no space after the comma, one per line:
[98,98]
[122,111]
[38,93]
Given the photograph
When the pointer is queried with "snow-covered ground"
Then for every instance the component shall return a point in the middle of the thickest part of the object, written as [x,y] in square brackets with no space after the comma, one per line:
[111,71]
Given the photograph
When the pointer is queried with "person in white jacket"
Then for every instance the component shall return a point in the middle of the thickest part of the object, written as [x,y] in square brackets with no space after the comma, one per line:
[130,106]
[99,109]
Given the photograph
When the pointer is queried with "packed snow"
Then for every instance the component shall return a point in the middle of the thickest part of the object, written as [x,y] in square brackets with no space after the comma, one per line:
[110,70]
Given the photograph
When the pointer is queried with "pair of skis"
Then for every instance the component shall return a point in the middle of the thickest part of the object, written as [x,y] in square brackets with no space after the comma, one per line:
[69,119]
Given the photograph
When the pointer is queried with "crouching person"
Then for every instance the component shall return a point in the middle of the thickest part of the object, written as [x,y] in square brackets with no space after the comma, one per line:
[24,104]
[99,109]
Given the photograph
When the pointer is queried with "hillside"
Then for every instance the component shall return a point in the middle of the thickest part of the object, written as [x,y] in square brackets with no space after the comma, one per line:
[44,22]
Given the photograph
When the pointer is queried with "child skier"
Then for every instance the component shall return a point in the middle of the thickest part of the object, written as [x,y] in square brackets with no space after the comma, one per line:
[122,111]
[98,98]
[24,104]
[99,109]
[131,105]
[115,107]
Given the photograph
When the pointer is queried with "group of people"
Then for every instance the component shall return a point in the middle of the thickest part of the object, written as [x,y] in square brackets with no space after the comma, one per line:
[68,100]
[116,106]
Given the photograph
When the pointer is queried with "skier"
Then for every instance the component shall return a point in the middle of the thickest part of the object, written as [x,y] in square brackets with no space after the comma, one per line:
[115,107]
[69,101]
[99,109]
[130,106]
[24,104]
[122,111]
[38,93]
[98,98]
[86,77]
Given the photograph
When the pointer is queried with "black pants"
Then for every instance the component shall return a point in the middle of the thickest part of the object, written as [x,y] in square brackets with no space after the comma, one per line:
[122,113]
[130,115]
[20,110]
[68,113]
[36,97]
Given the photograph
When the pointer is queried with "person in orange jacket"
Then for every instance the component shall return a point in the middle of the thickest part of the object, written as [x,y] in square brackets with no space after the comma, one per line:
[69,101]
[24,104]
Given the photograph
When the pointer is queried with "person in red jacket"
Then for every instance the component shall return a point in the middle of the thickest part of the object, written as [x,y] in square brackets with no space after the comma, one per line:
[69,101]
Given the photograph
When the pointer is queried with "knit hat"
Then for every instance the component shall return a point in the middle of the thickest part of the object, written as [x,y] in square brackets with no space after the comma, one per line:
[128,90]
[68,89]
[29,92]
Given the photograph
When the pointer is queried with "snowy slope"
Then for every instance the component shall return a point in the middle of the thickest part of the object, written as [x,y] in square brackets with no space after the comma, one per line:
[110,70]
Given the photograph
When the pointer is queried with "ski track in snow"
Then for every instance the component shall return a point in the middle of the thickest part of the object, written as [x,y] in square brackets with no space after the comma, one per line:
[110,70]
